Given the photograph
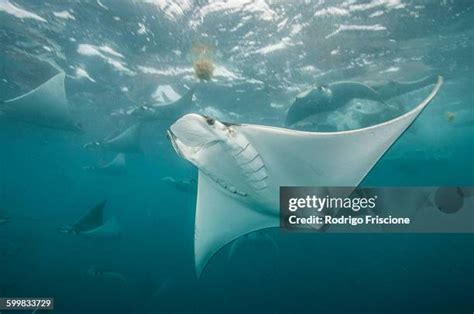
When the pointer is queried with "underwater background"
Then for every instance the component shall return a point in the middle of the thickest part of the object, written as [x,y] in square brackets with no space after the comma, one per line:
[122,53]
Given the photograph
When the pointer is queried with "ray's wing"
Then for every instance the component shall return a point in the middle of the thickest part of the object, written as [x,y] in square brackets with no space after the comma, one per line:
[108,230]
[291,158]
[127,141]
[173,110]
[118,162]
[220,218]
[186,100]
[350,90]
[298,158]
[46,104]
[92,219]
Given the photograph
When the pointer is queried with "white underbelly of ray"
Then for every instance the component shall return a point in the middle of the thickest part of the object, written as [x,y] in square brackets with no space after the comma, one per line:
[224,184]
[250,162]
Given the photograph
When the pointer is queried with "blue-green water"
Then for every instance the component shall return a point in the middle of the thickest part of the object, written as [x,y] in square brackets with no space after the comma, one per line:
[118,54]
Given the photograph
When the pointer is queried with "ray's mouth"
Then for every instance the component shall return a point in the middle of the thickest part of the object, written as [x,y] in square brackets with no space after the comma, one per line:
[173,139]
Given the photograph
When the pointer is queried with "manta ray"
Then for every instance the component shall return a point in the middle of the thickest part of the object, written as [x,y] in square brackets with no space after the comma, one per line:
[183,185]
[93,224]
[127,141]
[3,217]
[6,218]
[115,166]
[45,105]
[242,167]
[111,276]
[337,94]
[168,111]
[450,200]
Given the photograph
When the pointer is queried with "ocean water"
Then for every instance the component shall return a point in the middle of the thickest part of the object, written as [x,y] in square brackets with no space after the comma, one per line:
[122,53]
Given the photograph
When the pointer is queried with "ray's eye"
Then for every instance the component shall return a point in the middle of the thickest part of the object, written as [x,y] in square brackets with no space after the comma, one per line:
[210,121]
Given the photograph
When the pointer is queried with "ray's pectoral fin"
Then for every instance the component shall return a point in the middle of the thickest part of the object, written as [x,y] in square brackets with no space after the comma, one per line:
[253,161]
[371,94]
[222,217]
[187,98]
[127,141]
[92,219]
[351,90]
[45,105]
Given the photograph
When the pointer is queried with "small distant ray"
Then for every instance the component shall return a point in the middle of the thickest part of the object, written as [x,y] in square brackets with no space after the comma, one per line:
[167,111]
[327,98]
[116,166]
[45,105]
[106,275]
[3,216]
[450,200]
[94,224]
[184,185]
[127,141]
